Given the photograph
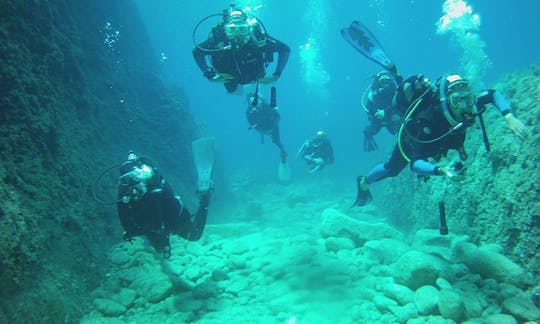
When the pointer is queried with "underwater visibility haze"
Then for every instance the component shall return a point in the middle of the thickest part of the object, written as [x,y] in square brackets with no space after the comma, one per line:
[85,82]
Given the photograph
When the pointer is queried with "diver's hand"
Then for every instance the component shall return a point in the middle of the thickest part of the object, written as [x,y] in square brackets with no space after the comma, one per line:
[369,143]
[450,172]
[318,161]
[222,77]
[269,79]
[214,76]
[209,73]
[516,126]
[379,114]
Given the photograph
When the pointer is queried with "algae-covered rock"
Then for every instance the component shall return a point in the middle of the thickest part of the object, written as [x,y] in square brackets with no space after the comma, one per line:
[219,275]
[443,283]
[402,294]
[384,303]
[489,264]
[335,244]
[109,307]
[120,257]
[426,299]
[451,305]
[474,303]
[152,284]
[415,269]
[521,308]
[125,297]
[234,247]
[337,224]
[404,313]
[432,242]
[500,319]
[387,250]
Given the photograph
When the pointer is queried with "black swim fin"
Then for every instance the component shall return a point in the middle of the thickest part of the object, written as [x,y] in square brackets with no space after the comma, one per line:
[361,38]
[363,196]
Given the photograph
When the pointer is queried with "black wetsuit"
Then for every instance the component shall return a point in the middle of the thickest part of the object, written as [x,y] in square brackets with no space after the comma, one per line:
[245,62]
[429,135]
[157,213]
[381,101]
[265,119]
[319,147]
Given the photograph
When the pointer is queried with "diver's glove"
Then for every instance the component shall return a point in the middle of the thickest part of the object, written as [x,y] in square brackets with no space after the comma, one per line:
[318,161]
[517,126]
[369,143]
[454,172]
[222,77]
[379,114]
[269,79]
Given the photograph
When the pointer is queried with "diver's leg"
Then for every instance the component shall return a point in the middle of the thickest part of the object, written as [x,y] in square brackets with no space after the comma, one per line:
[389,169]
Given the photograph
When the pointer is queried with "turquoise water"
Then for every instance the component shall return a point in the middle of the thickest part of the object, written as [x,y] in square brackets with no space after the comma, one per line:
[296,253]
[406,29]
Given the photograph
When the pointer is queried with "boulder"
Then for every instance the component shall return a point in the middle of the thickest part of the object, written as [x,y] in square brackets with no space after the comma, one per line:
[387,250]
[500,319]
[426,299]
[415,269]
[451,305]
[109,307]
[432,242]
[489,264]
[521,308]
[337,224]
[335,244]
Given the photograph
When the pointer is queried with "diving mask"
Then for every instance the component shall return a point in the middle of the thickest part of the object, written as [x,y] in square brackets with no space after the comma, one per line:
[237,30]
[462,102]
[139,177]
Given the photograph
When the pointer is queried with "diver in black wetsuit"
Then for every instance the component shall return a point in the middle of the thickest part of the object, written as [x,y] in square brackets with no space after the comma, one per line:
[436,121]
[317,152]
[147,206]
[264,118]
[239,50]
[377,102]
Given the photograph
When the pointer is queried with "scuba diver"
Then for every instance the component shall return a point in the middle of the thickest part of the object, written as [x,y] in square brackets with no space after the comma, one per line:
[436,121]
[436,117]
[264,118]
[238,50]
[147,205]
[317,152]
[377,101]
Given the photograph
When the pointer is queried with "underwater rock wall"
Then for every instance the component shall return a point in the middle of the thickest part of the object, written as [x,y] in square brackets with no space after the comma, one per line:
[79,87]
[498,201]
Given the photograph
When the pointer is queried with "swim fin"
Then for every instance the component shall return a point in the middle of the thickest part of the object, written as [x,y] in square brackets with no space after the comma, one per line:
[363,195]
[284,172]
[361,38]
[203,156]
